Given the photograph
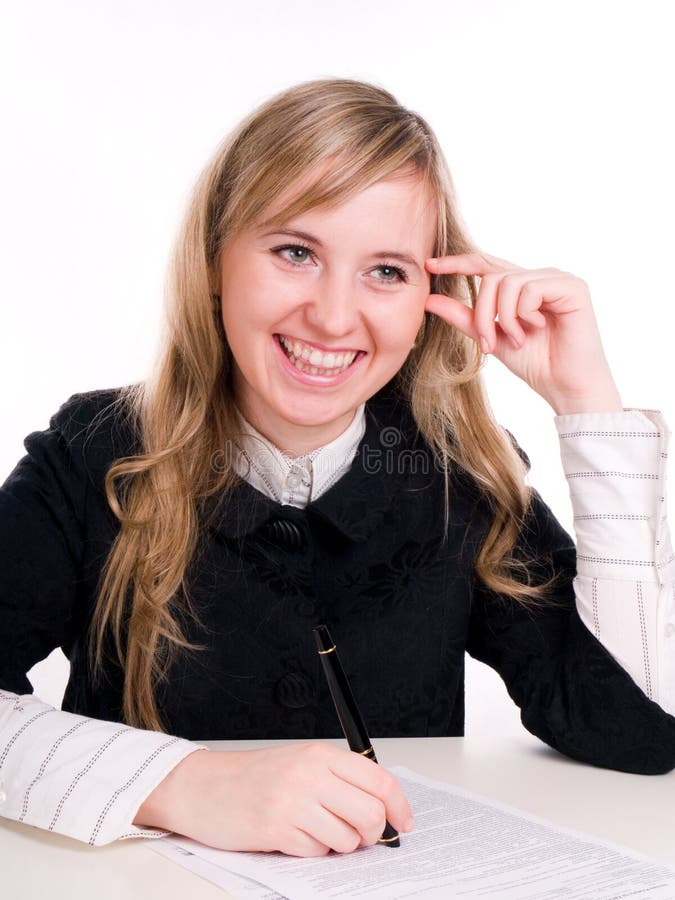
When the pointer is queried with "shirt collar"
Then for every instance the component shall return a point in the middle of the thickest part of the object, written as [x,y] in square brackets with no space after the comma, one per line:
[300,480]
[358,505]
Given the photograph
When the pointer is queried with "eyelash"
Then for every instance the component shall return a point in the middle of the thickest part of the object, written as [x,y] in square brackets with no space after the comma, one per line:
[401,274]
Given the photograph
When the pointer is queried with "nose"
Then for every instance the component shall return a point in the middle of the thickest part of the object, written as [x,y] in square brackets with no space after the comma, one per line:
[333,307]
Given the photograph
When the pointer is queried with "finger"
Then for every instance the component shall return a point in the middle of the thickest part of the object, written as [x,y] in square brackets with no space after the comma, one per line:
[329,830]
[378,781]
[536,290]
[454,312]
[520,296]
[558,293]
[299,843]
[473,263]
[533,294]
[485,310]
[359,809]
[508,310]
[532,317]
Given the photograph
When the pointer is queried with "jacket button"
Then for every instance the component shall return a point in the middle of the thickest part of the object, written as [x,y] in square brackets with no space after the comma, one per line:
[295,691]
[285,534]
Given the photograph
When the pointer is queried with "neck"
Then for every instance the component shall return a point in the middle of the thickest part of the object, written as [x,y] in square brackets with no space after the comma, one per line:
[298,440]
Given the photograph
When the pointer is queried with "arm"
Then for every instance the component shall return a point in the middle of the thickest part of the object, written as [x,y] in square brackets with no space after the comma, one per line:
[67,773]
[571,692]
[79,776]
[624,587]
[547,335]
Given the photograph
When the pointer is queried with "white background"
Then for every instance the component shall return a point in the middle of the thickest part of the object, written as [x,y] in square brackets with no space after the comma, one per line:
[556,119]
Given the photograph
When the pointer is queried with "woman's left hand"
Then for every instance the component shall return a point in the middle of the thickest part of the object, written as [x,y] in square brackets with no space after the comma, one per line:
[538,322]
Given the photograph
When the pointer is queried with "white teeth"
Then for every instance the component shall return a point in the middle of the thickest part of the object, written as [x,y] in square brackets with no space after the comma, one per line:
[315,361]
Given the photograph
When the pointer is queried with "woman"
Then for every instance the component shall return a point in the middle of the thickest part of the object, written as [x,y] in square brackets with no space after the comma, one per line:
[315,446]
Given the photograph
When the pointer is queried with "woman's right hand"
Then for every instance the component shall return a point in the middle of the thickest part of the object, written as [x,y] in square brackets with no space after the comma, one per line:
[302,799]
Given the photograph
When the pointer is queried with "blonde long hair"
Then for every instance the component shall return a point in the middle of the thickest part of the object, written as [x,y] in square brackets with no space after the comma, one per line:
[184,412]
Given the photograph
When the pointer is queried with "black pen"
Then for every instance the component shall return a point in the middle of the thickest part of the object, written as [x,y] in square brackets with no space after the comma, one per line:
[348,713]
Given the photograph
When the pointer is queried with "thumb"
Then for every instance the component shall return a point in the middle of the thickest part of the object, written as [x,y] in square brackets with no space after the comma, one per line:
[454,312]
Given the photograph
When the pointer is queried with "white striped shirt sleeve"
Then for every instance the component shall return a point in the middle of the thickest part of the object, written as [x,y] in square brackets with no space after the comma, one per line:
[615,465]
[78,776]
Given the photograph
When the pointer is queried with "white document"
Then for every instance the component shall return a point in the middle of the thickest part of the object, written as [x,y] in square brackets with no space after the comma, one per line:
[236,885]
[463,846]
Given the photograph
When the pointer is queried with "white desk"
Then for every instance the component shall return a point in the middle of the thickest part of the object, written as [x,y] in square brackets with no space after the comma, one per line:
[634,810]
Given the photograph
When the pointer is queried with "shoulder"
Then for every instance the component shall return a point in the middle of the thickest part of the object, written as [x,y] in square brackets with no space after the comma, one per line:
[100,412]
[66,463]
[89,430]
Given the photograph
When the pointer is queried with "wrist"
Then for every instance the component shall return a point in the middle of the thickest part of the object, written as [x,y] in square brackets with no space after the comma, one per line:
[603,402]
[159,808]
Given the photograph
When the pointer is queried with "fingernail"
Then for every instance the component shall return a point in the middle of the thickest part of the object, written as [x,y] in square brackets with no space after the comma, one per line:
[484,346]
[409,824]
[515,343]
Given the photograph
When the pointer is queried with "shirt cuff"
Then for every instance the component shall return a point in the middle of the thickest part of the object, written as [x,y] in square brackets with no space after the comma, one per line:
[615,466]
[81,777]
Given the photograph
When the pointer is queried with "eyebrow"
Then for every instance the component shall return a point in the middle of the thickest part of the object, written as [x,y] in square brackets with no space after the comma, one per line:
[305,236]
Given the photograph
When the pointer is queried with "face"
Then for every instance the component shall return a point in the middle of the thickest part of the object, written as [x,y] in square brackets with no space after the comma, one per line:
[319,322]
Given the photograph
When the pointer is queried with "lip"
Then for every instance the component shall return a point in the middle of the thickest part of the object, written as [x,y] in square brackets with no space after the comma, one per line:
[316,380]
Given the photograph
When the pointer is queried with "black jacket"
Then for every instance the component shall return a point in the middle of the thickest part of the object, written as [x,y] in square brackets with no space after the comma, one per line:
[367,558]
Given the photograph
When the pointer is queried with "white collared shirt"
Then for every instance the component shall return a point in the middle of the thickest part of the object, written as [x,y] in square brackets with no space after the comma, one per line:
[300,480]
[87,778]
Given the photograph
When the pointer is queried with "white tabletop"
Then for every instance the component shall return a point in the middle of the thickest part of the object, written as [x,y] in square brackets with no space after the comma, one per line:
[634,810]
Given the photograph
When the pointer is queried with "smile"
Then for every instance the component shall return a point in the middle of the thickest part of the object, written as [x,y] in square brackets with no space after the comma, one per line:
[309,359]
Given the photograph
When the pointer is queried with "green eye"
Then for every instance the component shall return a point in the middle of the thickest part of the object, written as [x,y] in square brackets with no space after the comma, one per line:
[298,254]
[399,274]
[305,253]
[301,251]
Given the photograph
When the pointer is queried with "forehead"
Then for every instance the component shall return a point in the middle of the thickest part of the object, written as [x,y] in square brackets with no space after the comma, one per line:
[401,201]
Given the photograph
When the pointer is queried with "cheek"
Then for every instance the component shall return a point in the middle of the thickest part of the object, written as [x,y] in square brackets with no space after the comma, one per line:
[249,306]
[399,331]
[263,301]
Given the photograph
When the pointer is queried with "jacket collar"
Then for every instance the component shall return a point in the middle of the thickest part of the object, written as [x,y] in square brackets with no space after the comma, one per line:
[358,502]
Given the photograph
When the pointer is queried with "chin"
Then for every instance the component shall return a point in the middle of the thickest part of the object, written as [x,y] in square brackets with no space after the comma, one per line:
[308,420]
